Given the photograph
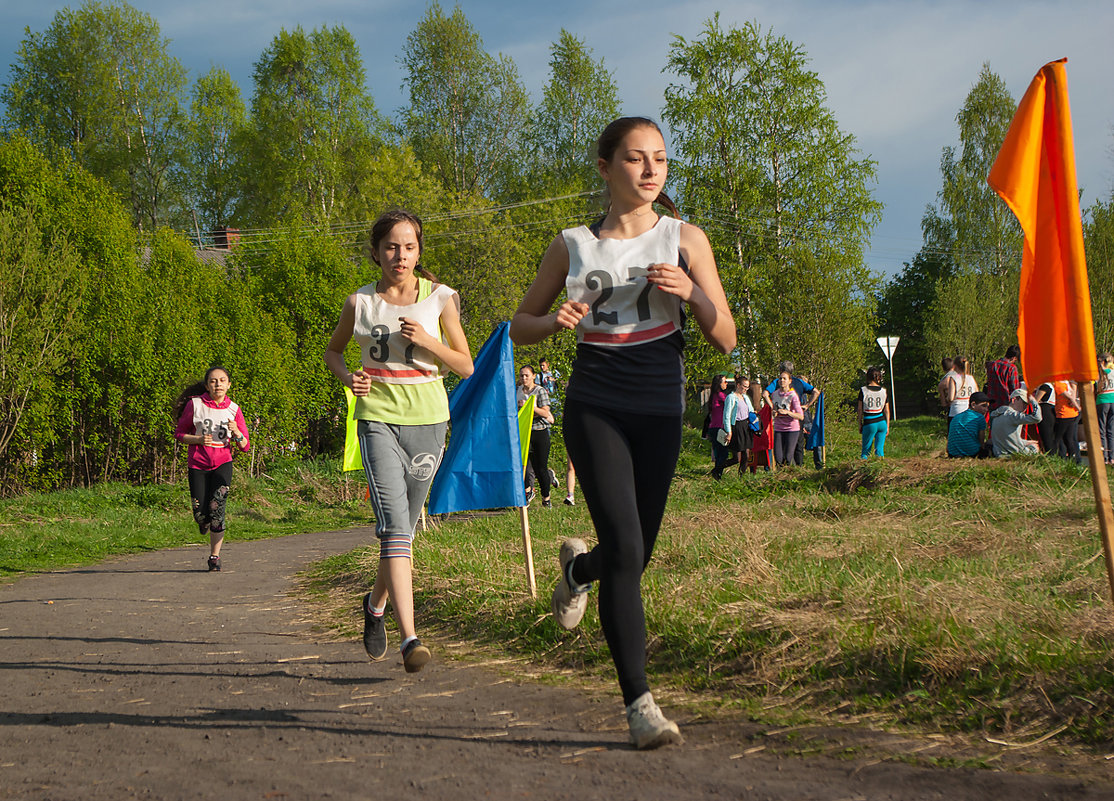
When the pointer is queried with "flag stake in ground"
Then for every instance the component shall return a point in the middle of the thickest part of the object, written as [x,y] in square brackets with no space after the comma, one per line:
[1098,480]
[1034,174]
[483,464]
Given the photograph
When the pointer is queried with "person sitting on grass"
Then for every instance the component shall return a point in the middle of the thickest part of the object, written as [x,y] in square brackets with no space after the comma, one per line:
[1007,421]
[967,434]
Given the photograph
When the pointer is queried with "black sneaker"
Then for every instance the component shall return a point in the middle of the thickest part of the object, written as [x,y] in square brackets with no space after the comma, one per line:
[415,656]
[214,564]
[547,503]
[569,501]
[529,495]
[375,633]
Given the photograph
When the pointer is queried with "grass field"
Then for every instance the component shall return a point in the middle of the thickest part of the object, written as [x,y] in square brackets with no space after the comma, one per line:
[951,595]
[80,526]
[948,595]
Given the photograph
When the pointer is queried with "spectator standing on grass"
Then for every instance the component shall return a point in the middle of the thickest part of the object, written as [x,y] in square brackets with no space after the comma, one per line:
[570,482]
[1045,395]
[737,413]
[1002,377]
[967,433]
[806,394]
[942,387]
[1007,422]
[1104,405]
[1065,434]
[408,328]
[548,378]
[538,456]
[761,449]
[961,386]
[628,277]
[787,413]
[873,410]
[716,400]
[210,423]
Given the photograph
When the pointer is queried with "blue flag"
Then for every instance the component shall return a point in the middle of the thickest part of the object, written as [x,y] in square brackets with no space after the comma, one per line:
[482,468]
[816,435]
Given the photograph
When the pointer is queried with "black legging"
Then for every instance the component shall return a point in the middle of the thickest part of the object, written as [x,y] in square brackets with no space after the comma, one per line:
[624,463]
[208,495]
[1066,436]
[538,459]
[1046,428]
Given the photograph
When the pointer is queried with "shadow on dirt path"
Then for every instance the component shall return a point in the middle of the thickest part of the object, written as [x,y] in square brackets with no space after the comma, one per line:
[147,677]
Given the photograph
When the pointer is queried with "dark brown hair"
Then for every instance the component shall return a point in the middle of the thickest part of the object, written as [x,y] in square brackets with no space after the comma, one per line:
[613,136]
[874,375]
[195,389]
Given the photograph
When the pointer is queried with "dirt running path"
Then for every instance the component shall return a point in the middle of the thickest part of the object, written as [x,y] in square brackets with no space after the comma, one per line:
[146,677]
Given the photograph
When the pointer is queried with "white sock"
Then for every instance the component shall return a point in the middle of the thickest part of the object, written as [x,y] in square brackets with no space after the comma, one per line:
[406,642]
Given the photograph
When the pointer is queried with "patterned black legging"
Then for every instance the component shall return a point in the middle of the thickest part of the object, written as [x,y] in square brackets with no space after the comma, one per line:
[208,495]
[624,463]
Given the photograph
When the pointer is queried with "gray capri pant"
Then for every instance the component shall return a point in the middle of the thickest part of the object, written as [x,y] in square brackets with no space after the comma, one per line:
[399,462]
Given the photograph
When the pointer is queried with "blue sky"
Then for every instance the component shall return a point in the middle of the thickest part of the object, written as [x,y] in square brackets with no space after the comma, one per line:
[896,72]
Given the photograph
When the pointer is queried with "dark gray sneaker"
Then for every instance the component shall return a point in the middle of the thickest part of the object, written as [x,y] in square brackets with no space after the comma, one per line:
[415,656]
[214,564]
[375,633]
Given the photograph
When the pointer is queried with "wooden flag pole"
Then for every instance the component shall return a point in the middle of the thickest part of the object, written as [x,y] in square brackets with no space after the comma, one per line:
[1098,478]
[529,549]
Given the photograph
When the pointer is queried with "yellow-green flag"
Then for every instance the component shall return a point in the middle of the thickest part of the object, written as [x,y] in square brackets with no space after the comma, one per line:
[352,459]
[525,420]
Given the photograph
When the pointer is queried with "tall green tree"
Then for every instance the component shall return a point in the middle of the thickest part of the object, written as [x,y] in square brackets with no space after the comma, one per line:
[41,286]
[467,108]
[783,194]
[578,101]
[973,311]
[314,129]
[217,128]
[1098,237]
[100,83]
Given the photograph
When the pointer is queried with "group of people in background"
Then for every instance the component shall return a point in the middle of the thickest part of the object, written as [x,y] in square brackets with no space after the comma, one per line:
[994,422]
[759,430]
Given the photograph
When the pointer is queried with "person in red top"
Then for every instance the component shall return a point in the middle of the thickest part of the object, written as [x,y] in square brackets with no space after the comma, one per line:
[210,423]
[1002,377]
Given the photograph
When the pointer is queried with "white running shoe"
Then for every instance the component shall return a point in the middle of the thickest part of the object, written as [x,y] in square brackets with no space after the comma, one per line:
[649,728]
[568,602]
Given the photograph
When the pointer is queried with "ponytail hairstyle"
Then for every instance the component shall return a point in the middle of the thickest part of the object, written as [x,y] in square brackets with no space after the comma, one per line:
[874,375]
[959,364]
[196,389]
[613,136]
[385,223]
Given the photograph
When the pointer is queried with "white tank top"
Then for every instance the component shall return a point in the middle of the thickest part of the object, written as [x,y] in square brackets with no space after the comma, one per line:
[963,391]
[214,422]
[610,276]
[386,355]
[874,400]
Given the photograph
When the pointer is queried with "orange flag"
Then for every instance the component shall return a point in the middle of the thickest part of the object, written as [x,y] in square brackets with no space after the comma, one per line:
[1035,174]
